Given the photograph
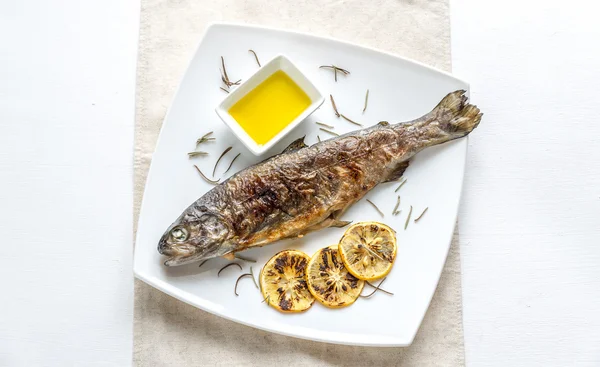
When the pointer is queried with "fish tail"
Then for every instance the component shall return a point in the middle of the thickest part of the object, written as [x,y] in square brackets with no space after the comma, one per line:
[456,116]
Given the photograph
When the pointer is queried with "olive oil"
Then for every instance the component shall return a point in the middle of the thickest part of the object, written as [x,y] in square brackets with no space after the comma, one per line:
[270,107]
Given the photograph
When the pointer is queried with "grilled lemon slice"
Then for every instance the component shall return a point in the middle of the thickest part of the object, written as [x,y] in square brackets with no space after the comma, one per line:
[329,281]
[368,250]
[283,282]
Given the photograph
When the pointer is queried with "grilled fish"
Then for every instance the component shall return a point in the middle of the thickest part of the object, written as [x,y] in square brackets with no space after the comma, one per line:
[305,189]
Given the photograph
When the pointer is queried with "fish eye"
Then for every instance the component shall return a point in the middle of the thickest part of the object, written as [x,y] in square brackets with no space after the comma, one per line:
[179,234]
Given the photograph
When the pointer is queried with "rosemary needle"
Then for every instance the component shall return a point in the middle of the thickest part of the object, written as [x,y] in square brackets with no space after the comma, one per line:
[202,263]
[256,57]
[399,186]
[206,137]
[397,205]
[324,125]
[206,178]
[218,160]
[381,289]
[376,208]
[376,289]
[196,154]
[408,218]
[228,265]
[229,83]
[349,120]
[224,70]
[231,164]
[224,90]
[225,77]
[421,215]
[268,299]
[238,280]
[335,110]
[335,70]
[366,101]
[329,131]
[319,138]
[254,280]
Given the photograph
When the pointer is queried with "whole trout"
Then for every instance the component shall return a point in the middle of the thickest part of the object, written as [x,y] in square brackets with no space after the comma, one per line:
[305,189]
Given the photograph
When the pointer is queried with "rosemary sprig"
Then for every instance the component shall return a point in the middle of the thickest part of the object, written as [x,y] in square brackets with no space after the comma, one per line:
[244,258]
[231,164]
[399,186]
[196,154]
[421,215]
[206,137]
[254,280]
[408,218]
[324,125]
[255,57]
[376,289]
[228,265]
[238,280]
[206,178]
[349,120]
[202,263]
[376,208]
[225,77]
[335,70]
[381,289]
[218,160]
[366,101]
[397,205]
[329,131]
[335,110]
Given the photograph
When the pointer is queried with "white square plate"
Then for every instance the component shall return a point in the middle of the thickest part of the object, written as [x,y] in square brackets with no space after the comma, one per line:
[400,90]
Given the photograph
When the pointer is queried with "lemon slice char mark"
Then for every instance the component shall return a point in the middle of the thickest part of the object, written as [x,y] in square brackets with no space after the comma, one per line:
[283,282]
[368,250]
[329,281]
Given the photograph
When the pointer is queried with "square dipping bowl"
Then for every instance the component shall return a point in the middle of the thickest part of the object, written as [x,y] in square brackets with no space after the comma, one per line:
[278,63]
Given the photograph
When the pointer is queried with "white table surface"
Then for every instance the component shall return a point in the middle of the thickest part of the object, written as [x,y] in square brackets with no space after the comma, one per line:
[529,221]
[67,78]
[530,214]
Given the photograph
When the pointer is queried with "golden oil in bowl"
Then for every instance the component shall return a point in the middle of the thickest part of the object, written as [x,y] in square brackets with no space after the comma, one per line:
[270,107]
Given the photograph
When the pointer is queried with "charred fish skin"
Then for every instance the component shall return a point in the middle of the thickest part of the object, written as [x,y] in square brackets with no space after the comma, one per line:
[306,188]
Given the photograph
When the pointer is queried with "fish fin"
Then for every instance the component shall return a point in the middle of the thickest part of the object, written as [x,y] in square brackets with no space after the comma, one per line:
[454,101]
[460,117]
[383,123]
[326,223]
[296,145]
[397,172]
[340,223]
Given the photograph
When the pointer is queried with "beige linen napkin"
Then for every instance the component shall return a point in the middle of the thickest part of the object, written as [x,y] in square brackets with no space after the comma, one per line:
[168,332]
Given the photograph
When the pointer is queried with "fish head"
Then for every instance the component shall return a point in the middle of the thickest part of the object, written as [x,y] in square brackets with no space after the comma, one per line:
[196,235]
